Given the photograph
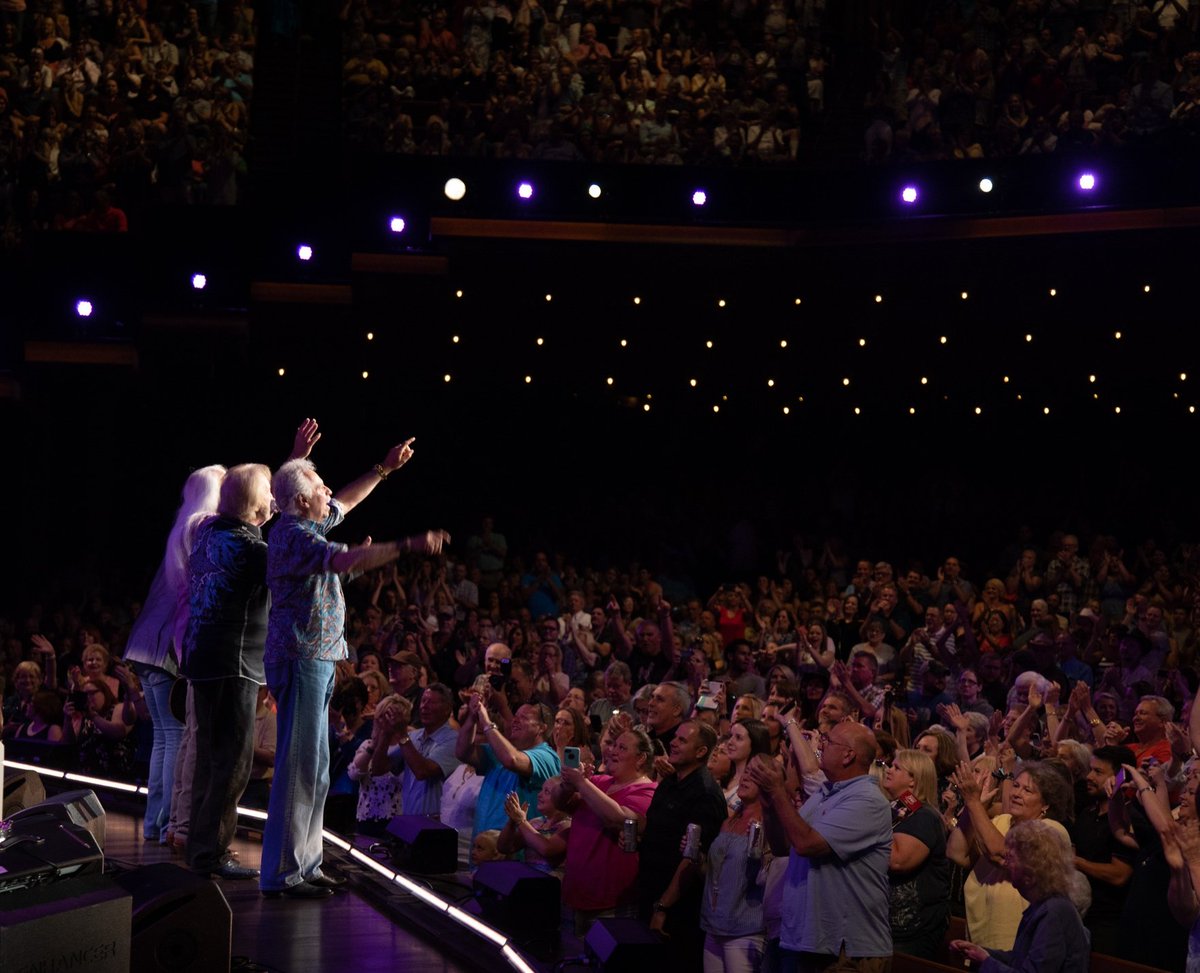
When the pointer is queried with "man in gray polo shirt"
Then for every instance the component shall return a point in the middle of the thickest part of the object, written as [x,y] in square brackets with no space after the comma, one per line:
[835,897]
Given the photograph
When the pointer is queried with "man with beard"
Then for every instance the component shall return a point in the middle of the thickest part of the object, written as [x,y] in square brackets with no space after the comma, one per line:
[1106,862]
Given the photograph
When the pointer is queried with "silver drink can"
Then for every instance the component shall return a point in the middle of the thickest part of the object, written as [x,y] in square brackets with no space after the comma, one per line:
[629,836]
[754,841]
[691,848]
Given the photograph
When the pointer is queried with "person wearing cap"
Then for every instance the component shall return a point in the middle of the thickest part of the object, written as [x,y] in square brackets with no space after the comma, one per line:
[404,672]
[923,703]
[305,641]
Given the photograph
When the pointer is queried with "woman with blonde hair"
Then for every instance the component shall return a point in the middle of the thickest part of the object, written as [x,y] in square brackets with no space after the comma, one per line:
[155,646]
[1050,938]
[919,872]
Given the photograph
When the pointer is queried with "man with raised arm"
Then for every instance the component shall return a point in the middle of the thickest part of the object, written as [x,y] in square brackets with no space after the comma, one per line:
[835,897]
[305,640]
[522,761]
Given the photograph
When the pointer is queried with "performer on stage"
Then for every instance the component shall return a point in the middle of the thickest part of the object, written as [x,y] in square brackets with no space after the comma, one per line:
[305,639]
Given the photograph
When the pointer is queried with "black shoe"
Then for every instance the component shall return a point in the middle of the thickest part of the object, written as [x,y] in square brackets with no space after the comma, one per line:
[304,890]
[231,869]
[327,882]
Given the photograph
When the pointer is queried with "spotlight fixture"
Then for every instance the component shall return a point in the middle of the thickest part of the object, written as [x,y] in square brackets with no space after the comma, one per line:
[304,252]
[525,190]
[455,189]
[83,307]
[909,194]
[595,191]
[699,197]
[986,185]
[199,282]
[396,224]
[1087,181]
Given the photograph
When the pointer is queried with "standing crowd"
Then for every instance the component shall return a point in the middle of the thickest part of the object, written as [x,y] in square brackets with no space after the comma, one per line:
[816,768]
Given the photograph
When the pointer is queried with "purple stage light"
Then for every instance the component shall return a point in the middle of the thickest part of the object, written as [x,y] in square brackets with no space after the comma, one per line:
[199,282]
[909,194]
[396,224]
[83,308]
[699,197]
[304,252]
[525,190]
[1087,181]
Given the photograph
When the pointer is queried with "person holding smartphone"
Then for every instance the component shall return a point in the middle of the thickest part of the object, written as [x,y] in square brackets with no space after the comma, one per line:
[600,875]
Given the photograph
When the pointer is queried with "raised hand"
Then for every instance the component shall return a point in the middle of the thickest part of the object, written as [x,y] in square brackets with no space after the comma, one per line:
[400,454]
[965,780]
[41,645]
[954,716]
[431,542]
[306,438]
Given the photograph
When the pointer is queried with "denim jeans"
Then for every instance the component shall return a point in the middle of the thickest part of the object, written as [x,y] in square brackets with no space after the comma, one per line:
[292,842]
[156,684]
[185,772]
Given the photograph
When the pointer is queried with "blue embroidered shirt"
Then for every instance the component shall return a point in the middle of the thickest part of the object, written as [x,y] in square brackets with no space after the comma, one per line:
[308,610]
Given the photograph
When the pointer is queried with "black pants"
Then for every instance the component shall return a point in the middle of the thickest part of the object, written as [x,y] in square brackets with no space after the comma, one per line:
[224,755]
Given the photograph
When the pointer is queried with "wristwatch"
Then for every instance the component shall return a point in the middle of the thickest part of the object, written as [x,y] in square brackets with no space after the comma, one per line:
[1002,775]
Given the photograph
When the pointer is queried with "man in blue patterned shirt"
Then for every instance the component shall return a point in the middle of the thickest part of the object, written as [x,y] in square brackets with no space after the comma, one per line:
[305,639]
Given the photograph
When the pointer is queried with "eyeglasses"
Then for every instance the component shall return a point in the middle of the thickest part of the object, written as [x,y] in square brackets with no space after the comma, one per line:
[825,740]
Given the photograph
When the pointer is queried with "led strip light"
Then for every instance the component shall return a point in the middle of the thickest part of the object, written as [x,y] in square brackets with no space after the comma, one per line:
[429,897]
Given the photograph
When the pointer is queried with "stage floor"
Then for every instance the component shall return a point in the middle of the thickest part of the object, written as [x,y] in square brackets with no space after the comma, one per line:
[344,932]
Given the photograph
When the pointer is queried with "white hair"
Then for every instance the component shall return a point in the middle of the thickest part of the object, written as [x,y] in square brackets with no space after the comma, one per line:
[201,491]
[290,483]
[1026,679]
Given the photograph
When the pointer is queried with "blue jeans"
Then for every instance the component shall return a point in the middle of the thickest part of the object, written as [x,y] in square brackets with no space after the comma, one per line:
[292,843]
[156,684]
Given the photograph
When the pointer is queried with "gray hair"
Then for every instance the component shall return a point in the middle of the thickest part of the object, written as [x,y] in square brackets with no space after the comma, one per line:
[683,698]
[1162,705]
[619,670]
[290,483]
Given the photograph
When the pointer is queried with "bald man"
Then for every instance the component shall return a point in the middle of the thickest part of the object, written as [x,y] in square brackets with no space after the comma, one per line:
[835,899]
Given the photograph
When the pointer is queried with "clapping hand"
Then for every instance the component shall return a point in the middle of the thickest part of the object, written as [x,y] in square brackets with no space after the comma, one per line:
[515,810]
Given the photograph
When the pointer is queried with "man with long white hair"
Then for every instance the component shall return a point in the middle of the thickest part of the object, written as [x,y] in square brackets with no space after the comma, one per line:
[305,640]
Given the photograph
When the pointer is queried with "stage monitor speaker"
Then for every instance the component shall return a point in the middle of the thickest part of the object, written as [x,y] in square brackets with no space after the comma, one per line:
[43,850]
[628,945]
[81,808]
[181,921]
[519,899]
[423,845]
[21,790]
[78,924]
